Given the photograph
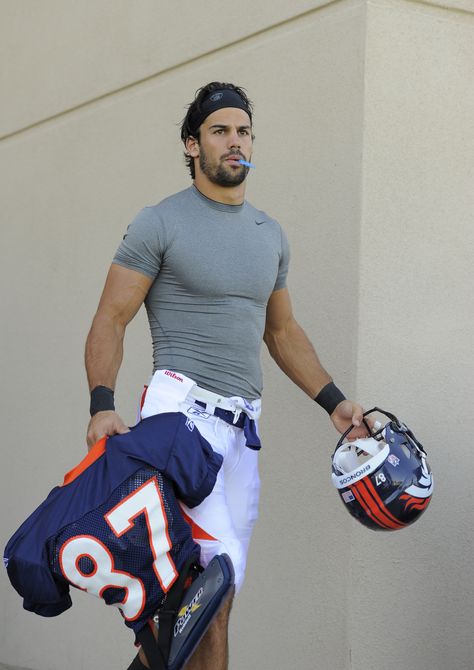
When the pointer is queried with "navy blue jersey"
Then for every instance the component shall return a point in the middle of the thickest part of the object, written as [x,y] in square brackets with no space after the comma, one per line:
[115,527]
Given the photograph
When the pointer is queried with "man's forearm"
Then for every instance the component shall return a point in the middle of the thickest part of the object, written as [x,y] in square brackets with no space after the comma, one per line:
[295,355]
[104,351]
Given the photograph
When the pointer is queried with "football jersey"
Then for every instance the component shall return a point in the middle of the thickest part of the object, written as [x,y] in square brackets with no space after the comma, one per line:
[114,528]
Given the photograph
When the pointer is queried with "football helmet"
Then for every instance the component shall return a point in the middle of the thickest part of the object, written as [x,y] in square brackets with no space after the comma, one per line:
[383,480]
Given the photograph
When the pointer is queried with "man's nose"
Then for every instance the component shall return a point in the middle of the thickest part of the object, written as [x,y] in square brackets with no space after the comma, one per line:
[234,138]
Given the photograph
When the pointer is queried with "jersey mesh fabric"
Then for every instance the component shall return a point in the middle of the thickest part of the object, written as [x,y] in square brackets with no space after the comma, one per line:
[131,551]
[165,444]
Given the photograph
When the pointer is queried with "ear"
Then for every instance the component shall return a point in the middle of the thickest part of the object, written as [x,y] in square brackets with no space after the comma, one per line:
[192,147]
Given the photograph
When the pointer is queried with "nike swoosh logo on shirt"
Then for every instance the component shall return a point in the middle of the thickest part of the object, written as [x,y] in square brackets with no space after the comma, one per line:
[259,223]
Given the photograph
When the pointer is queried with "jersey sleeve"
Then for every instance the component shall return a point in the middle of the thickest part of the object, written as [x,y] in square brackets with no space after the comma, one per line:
[142,246]
[175,447]
[42,594]
[284,262]
[26,561]
[193,464]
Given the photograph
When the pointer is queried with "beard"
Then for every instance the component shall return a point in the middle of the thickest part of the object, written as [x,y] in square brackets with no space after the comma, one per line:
[222,174]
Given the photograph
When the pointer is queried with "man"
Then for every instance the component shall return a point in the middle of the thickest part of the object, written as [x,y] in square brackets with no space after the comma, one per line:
[211,270]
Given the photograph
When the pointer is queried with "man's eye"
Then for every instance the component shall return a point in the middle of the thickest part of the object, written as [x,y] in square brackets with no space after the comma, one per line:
[244,131]
[219,131]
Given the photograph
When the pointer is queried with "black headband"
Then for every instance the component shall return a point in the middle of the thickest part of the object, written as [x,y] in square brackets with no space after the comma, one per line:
[216,100]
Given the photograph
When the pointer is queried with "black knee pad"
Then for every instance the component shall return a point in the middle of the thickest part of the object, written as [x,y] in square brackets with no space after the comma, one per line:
[201,603]
[184,618]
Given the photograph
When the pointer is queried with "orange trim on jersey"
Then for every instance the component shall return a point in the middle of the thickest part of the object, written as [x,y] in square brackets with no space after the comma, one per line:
[95,453]
[105,571]
[198,532]
[142,399]
[147,511]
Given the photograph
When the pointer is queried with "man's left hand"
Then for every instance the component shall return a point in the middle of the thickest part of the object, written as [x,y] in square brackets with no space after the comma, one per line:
[349,413]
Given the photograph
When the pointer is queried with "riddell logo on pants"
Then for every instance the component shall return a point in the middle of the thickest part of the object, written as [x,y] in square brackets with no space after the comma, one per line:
[173,375]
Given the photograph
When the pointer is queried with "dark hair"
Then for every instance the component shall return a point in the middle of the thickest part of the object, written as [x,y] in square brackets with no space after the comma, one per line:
[195,106]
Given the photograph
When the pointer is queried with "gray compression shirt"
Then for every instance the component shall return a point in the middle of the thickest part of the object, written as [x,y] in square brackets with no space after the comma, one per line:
[214,267]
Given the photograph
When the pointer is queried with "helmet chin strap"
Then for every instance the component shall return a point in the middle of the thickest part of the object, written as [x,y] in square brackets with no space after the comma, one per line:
[367,445]
[351,455]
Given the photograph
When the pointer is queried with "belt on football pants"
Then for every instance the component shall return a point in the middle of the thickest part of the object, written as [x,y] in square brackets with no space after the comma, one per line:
[252,439]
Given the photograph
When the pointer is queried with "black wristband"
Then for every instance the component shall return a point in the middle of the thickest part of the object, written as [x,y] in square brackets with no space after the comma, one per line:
[329,397]
[102,400]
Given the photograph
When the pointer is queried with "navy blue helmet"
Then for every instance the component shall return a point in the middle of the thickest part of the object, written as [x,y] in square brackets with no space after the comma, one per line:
[384,480]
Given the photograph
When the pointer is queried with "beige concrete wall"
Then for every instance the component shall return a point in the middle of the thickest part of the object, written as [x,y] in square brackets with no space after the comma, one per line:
[362,125]
[414,590]
[67,53]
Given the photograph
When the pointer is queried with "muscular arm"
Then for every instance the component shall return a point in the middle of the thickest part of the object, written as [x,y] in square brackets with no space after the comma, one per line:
[124,292]
[295,355]
[290,347]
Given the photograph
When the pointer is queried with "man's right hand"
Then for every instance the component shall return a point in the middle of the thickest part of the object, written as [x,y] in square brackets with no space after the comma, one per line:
[104,423]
